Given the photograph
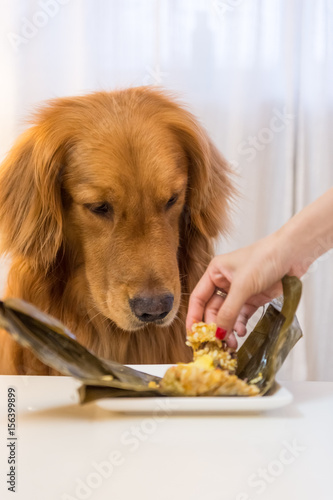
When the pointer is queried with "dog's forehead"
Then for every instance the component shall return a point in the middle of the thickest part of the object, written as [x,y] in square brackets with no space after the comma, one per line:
[139,159]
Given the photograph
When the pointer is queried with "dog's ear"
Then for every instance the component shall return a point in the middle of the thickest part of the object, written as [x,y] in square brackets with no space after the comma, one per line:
[210,193]
[210,188]
[30,196]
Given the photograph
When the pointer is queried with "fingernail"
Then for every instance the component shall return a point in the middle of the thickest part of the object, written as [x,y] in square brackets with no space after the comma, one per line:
[220,333]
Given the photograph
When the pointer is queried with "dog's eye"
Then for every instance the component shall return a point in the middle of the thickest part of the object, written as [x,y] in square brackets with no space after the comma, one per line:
[172,201]
[102,209]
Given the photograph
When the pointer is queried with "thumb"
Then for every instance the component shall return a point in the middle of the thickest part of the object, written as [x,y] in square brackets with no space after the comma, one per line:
[231,307]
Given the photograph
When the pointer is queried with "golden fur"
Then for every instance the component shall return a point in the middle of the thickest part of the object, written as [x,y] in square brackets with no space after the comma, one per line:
[134,150]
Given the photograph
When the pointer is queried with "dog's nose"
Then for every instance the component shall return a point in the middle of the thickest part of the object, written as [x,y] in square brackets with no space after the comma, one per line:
[151,308]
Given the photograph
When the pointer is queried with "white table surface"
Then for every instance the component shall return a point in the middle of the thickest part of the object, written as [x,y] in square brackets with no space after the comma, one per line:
[65,451]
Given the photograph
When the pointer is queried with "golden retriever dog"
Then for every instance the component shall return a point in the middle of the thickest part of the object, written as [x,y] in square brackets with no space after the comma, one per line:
[109,207]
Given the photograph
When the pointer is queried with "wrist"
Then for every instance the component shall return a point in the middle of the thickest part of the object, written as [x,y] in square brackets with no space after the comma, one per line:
[282,243]
[301,243]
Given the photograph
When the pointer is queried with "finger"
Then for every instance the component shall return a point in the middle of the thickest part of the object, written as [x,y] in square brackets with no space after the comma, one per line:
[212,308]
[245,314]
[230,309]
[232,341]
[198,300]
[240,325]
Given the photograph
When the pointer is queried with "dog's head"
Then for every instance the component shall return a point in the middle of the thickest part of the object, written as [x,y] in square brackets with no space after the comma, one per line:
[128,184]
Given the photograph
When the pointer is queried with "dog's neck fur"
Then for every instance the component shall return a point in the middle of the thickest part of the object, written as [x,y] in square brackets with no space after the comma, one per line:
[71,302]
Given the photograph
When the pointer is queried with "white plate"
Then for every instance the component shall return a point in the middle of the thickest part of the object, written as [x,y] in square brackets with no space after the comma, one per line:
[279,397]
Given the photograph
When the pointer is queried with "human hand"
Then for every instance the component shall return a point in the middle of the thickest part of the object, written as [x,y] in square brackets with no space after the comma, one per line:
[251,276]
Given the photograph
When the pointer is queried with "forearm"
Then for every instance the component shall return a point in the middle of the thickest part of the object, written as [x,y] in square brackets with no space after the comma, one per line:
[309,234]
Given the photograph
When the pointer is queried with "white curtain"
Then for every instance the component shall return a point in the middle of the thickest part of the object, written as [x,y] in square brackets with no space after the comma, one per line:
[258,73]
